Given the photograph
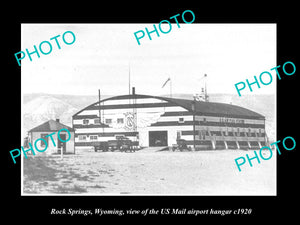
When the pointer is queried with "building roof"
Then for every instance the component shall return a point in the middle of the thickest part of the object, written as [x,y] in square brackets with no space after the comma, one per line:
[201,108]
[216,108]
[50,125]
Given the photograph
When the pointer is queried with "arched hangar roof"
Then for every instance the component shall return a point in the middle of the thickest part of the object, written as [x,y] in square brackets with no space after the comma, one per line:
[201,108]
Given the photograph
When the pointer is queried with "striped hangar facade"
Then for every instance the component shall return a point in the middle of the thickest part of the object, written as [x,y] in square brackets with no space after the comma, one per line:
[160,121]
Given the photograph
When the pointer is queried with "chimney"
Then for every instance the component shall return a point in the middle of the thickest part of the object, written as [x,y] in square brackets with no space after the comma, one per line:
[57,120]
[133,90]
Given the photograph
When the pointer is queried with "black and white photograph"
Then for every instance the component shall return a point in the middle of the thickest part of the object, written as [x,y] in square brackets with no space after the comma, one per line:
[159,116]
[149,111]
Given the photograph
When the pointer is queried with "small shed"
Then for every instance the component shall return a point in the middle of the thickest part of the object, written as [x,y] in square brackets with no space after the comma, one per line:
[49,127]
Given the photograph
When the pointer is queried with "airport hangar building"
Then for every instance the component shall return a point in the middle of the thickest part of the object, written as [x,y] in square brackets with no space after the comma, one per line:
[160,121]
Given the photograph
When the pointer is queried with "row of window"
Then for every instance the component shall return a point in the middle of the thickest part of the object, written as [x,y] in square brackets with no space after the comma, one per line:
[238,133]
[107,121]
[201,133]
[84,137]
[119,121]
[180,120]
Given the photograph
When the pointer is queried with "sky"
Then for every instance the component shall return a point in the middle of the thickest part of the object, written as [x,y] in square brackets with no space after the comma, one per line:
[102,54]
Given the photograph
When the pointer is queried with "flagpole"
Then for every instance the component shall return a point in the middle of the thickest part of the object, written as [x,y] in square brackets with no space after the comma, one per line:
[170,87]
[129,81]
[170,81]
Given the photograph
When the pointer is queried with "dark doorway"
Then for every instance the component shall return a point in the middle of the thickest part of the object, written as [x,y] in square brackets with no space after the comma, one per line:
[158,138]
[62,145]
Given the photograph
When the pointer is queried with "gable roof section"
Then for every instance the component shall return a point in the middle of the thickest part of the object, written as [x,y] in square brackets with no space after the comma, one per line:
[50,125]
[201,108]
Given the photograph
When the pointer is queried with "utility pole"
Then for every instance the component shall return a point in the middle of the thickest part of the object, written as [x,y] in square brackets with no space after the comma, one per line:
[170,87]
[129,80]
[99,97]
[205,91]
[194,125]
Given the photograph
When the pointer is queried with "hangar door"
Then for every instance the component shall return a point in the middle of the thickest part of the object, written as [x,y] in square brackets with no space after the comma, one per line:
[158,138]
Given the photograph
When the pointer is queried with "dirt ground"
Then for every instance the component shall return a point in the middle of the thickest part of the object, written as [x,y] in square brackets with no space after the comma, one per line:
[148,173]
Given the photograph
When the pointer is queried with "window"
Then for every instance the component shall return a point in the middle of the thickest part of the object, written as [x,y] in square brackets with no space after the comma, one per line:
[181,120]
[108,121]
[119,136]
[97,121]
[82,137]
[85,122]
[178,136]
[120,120]
[93,137]
[216,133]
[238,132]
[45,138]
[201,134]
[226,132]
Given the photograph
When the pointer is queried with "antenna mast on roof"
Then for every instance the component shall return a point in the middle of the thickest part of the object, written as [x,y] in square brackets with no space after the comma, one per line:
[203,96]
[99,98]
[205,92]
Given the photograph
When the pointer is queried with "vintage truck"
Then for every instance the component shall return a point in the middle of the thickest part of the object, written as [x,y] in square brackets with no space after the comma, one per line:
[123,144]
[180,145]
